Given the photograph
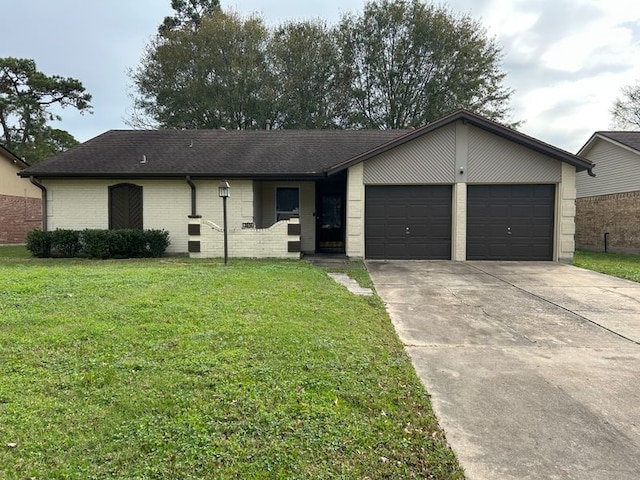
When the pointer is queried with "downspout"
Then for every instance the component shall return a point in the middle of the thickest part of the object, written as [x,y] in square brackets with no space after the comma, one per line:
[193,198]
[44,201]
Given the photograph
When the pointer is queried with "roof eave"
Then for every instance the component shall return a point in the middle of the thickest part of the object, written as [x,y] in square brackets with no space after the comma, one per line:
[173,175]
[492,127]
[16,160]
[603,136]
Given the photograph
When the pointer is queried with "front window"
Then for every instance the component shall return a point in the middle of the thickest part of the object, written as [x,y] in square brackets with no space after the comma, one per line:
[287,203]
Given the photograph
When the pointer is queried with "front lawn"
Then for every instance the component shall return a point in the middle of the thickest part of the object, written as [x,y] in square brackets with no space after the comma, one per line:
[14,251]
[616,264]
[184,369]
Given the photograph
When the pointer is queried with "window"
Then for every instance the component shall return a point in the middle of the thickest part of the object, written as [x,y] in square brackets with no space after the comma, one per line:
[287,203]
[125,206]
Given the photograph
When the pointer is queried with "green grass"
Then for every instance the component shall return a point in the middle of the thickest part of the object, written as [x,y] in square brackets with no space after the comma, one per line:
[14,251]
[616,264]
[184,369]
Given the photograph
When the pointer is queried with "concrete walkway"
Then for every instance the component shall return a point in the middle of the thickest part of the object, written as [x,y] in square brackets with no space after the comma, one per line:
[533,368]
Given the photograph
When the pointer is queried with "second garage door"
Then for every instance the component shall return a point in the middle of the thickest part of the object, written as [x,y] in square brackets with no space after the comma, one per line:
[408,222]
[510,222]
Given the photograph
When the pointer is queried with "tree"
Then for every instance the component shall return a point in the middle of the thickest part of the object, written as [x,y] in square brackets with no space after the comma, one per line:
[626,110]
[412,63]
[304,63]
[27,100]
[189,13]
[212,77]
[400,63]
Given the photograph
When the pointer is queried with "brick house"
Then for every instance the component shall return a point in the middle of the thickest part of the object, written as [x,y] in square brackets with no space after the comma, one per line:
[460,188]
[20,201]
[608,206]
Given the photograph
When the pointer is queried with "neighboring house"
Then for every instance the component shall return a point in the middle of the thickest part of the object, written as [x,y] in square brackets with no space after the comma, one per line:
[608,206]
[20,201]
[460,188]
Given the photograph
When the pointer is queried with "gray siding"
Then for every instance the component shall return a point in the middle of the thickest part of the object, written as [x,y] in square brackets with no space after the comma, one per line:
[617,171]
[493,159]
[428,159]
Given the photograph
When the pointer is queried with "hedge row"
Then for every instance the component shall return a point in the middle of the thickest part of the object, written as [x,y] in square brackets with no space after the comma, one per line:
[98,243]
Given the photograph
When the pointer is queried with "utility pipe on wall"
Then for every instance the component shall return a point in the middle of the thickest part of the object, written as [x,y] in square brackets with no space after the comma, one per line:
[193,197]
[44,201]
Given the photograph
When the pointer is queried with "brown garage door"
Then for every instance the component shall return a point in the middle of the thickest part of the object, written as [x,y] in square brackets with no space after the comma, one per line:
[510,222]
[408,222]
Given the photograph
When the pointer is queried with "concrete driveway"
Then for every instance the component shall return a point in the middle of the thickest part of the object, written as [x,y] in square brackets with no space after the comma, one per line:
[533,368]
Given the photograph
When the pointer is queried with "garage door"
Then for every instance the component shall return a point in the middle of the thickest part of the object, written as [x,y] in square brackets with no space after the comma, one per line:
[408,222]
[510,222]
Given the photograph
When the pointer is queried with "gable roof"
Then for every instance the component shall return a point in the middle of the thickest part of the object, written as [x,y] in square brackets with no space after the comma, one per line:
[484,124]
[254,153]
[11,157]
[627,140]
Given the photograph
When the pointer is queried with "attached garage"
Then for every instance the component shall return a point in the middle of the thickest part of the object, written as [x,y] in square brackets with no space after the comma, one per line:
[510,222]
[408,222]
[462,188]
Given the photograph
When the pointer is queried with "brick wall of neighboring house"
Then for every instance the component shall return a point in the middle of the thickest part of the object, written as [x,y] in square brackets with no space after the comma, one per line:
[617,213]
[18,215]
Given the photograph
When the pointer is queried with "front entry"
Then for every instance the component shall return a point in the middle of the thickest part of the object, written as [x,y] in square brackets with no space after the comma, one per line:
[331,215]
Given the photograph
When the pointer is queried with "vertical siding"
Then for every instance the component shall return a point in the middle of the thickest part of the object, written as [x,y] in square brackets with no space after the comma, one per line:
[493,159]
[617,171]
[428,159]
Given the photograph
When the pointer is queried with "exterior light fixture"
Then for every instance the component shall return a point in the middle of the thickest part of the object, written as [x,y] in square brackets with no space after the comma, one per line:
[224,191]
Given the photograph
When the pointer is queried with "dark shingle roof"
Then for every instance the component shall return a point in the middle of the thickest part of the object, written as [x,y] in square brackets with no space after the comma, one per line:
[257,153]
[629,139]
[226,153]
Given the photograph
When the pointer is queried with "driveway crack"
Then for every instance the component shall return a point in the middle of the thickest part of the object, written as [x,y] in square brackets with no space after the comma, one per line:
[586,319]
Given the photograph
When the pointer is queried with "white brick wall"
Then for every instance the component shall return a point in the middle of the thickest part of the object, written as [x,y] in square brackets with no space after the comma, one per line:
[77,204]
[80,204]
[269,242]
[355,212]
[565,228]
[459,223]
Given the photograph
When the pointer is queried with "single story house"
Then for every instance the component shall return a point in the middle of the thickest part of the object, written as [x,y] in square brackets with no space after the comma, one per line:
[608,207]
[460,188]
[20,201]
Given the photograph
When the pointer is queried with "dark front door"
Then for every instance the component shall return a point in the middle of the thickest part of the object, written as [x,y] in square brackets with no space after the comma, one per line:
[510,222]
[408,222]
[330,216]
[125,206]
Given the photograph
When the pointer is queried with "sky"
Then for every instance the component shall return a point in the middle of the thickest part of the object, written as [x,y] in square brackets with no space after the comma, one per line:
[566,60]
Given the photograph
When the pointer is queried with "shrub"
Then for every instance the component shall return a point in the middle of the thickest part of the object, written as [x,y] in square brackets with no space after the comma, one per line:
[98,243]
[39,243]
[65,243]
[156,242]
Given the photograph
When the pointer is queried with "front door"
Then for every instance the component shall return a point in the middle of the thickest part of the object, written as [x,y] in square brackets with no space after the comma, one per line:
[330,216]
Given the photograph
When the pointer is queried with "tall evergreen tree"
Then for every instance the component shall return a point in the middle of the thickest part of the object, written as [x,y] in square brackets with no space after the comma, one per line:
[27,101]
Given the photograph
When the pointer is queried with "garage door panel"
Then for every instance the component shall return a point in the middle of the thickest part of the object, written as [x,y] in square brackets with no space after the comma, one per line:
[510,222]
[415,223]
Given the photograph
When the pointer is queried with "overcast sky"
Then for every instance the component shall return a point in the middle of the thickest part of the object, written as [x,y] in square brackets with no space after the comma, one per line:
[566,59]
